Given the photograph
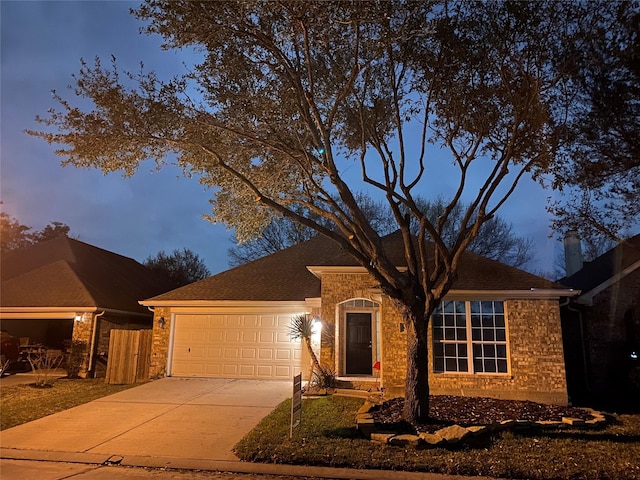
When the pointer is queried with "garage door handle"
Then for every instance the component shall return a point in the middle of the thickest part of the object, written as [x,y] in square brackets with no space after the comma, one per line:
[189,350]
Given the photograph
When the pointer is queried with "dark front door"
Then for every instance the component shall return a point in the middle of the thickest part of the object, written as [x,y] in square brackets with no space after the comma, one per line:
[358,344]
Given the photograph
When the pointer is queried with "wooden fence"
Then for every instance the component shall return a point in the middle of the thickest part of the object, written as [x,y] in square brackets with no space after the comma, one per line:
[129,356]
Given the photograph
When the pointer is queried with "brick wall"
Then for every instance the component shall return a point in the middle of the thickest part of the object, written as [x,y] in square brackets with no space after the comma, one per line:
[535,344]
[160,343]
[338,288]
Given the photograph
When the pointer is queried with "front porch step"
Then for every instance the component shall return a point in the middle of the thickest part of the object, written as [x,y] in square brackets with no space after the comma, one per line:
[354,383]
[344,392]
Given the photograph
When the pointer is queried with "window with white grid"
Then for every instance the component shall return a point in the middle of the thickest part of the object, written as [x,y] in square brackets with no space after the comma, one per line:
[469,337]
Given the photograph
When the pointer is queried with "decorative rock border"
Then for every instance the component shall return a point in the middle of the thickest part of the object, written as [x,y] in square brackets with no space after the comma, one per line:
[455,434]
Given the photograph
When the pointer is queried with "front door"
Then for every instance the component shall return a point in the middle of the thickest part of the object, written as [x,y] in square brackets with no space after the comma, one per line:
[358,348]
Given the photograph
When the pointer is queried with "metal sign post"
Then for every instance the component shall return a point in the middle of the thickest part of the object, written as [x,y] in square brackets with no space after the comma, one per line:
[296,403]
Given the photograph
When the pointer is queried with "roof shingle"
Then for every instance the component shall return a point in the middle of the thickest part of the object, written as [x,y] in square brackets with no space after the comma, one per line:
[64,272]
[283,276]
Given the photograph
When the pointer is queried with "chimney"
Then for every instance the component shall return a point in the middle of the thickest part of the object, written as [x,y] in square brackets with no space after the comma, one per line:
[572,252]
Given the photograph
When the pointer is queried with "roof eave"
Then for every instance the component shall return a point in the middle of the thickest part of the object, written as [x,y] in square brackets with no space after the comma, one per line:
[587,297]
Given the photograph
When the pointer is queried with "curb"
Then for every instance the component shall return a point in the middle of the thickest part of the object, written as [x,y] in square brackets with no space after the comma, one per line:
[171,463]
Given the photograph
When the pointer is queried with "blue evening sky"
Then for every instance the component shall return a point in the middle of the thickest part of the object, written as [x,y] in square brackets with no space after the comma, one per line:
[41,47]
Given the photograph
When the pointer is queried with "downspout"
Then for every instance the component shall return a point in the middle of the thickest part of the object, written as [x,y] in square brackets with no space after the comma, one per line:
[94,336]
[585,360]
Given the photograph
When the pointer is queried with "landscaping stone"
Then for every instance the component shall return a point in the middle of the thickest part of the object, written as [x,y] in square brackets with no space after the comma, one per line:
[522,424]
[432,439]
[550,423]
[404,440]
[454,433]
[382,437]
[574,422]
[477,430]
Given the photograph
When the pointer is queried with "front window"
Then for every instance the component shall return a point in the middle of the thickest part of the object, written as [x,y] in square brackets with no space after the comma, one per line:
[469,337]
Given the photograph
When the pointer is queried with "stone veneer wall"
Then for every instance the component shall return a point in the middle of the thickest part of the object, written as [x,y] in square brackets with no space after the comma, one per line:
[534,341]
[160,343]
[82,333]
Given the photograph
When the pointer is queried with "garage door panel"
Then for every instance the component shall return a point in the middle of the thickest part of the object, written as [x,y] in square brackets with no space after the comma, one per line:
[231,353]
[232,336]
[235,345]
[265,321]
[249,336]
[265,353]
[248,353]
[267,337]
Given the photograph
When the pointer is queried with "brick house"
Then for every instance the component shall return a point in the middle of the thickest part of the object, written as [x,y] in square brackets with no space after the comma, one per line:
[496,334]
[64,290]
[601,326]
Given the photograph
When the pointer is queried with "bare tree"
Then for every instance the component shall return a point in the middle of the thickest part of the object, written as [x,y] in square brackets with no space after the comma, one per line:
[288,97]
[496,239]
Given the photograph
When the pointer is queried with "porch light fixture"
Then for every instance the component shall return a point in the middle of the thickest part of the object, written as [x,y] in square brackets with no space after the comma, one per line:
[161,322]
[316,330]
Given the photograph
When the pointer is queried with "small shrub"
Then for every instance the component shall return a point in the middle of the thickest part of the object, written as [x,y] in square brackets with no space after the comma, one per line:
[42,364]
[324,378]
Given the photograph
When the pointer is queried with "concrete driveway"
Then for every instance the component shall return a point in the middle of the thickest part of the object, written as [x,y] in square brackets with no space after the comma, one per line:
[198,419]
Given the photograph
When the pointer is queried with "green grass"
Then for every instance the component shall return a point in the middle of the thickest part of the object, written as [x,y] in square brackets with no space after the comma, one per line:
[23,403]
[327,436]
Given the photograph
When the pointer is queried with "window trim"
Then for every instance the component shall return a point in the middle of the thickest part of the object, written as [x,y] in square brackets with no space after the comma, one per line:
[469,342]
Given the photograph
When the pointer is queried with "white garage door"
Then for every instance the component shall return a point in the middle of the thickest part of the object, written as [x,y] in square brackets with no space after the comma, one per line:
[235,346]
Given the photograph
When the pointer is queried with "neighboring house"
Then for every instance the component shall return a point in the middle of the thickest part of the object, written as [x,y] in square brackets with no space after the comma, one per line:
[602,326]
[63,290]
[497,334]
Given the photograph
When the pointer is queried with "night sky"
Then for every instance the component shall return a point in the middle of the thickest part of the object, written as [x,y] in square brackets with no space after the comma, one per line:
[42,44]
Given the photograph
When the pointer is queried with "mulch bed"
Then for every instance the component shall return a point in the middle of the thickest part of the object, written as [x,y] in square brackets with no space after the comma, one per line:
[445,410]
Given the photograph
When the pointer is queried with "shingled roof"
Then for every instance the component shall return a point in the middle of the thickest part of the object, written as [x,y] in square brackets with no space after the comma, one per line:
[284,276]
[620,258]
[64,272]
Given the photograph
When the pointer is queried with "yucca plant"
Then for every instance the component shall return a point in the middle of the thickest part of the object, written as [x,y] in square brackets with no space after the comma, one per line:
[302,327]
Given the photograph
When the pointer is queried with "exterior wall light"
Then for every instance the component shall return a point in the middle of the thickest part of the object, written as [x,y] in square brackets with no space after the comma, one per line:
[161,322]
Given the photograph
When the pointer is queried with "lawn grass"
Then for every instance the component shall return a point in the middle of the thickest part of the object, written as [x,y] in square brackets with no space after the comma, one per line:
[23,403]
[327,436]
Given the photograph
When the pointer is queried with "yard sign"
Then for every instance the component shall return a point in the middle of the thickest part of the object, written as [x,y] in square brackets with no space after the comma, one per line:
[296,403]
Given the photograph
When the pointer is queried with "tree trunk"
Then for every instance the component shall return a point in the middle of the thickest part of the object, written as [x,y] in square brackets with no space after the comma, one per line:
[315,365]
[416,406]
